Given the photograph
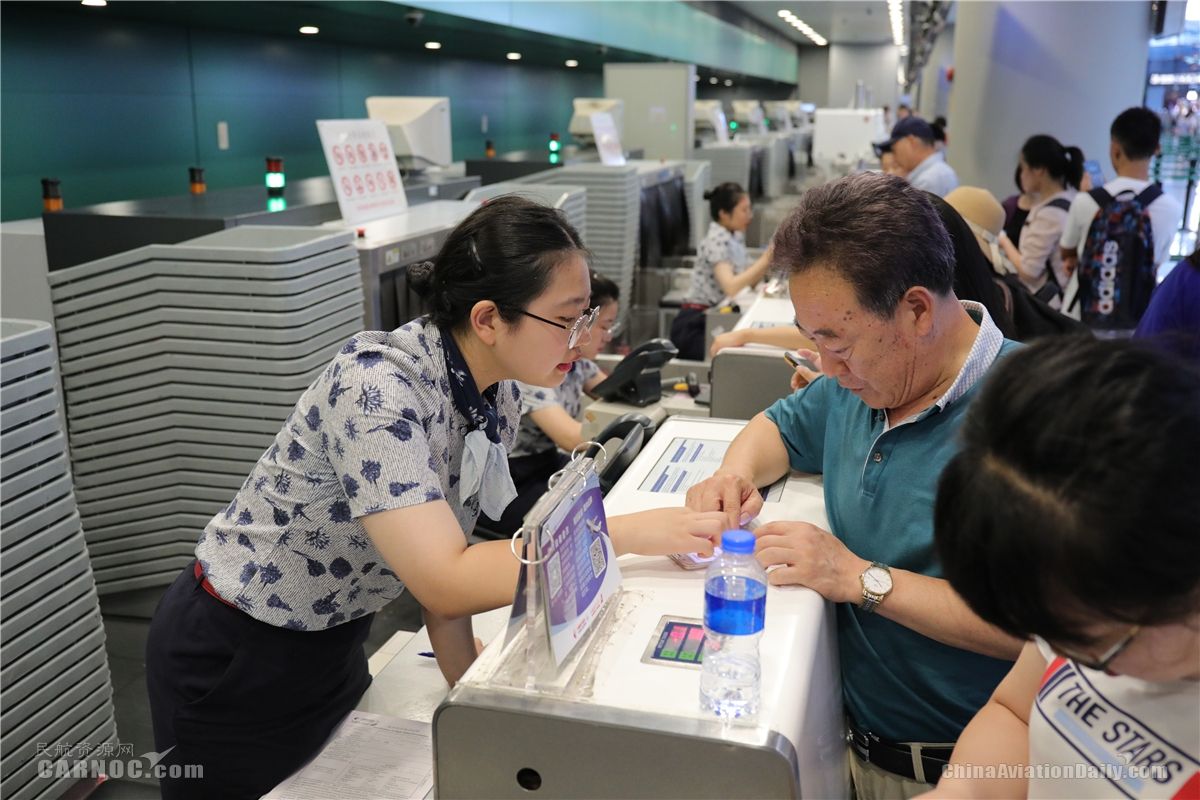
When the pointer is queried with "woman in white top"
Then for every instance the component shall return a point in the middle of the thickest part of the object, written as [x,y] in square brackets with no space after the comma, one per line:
[720,269]
[1069,519]
[1050,173]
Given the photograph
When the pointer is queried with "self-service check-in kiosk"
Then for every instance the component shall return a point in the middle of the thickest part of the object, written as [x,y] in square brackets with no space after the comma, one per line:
[614,722]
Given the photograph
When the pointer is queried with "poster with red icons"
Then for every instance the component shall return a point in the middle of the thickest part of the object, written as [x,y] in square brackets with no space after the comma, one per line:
[363,169]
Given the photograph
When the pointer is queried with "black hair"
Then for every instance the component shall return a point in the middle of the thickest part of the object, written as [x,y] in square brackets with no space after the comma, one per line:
[876,231]
[1061,163]
[604,290]
[939,129]
[1136,131]
[724,197]
[505,251]
[1017,179]
[1073,498]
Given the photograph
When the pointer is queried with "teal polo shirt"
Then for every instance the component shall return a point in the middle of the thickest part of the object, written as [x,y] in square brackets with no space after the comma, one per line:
[880,486]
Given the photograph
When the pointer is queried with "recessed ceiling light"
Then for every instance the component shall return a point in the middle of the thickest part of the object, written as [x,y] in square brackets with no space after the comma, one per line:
[713,80]
[309,30]
[783,12]
[807,30]
[572,63]
[94,3]
[728,82]
[513,56]
[433,45]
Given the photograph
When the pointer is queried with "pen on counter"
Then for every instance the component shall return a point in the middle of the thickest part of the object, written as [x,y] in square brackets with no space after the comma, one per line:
[427,654]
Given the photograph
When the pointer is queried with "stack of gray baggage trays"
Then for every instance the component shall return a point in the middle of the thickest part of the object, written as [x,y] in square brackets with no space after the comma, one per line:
[571,200]
[180,363]
[53,666]
[614,204]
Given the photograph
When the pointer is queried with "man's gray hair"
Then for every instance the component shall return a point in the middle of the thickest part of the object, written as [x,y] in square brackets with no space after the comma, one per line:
[877,232]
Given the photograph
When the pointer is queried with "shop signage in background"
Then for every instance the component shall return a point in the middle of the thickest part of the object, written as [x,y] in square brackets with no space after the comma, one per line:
[363,168]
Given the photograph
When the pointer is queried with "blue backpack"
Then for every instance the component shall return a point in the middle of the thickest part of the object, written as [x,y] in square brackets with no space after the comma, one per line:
[1116,270]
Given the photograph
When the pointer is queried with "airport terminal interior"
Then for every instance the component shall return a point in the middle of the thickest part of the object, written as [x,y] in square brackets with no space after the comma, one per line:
[204,204]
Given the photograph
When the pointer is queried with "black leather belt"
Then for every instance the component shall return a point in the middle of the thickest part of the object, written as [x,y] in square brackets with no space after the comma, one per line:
[912,760]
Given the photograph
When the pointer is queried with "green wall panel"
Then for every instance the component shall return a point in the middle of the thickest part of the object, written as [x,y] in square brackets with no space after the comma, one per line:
[119,109]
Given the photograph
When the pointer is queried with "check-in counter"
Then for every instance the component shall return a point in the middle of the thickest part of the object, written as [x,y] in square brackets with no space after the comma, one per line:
[627,726]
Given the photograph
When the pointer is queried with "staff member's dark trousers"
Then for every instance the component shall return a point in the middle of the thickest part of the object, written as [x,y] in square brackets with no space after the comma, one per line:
[246,701]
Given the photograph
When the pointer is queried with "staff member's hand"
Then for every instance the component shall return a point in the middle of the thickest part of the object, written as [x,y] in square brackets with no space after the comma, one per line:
[663,531]
[727,492]
[812,557]
[803,376]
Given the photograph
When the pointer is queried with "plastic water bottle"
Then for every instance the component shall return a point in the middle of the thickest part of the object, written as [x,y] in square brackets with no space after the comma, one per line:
[735,604]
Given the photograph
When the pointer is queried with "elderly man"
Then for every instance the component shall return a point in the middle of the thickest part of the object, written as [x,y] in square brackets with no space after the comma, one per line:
[871,273]
[914,147]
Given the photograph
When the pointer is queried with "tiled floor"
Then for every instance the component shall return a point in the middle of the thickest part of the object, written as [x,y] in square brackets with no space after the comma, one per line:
[126,622]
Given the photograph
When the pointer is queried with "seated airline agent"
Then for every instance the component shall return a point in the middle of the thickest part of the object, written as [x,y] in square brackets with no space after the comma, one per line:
[1069,518]
[550,428]
[871,273]
[256,651]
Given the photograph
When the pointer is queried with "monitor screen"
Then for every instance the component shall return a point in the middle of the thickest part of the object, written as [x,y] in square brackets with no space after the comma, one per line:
[419,128]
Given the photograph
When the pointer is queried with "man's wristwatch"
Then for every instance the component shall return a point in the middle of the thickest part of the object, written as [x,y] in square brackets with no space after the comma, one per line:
[876,583]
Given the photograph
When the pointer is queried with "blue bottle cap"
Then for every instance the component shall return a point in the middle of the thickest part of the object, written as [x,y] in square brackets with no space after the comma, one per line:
[737,542]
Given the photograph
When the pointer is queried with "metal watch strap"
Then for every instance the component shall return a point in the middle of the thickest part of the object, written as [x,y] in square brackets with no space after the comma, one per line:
[871,600]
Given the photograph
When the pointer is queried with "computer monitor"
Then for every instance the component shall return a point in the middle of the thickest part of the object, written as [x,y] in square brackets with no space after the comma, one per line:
[749,115]
[419,128]
[780,115]
[710,120]
[580,126]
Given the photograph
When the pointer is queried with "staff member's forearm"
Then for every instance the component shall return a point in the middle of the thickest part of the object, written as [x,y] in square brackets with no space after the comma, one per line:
[453,642]
[932,608]
[757,453]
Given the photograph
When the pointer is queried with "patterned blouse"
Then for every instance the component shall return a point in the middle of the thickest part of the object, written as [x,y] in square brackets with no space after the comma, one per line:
[377,430]
[718,245]
[531,439]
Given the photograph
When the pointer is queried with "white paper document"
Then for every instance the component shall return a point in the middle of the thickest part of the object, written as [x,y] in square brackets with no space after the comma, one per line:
[369,757]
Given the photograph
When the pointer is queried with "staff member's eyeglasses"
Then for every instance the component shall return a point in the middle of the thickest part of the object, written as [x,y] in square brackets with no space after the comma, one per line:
[576,329]
[1099,664]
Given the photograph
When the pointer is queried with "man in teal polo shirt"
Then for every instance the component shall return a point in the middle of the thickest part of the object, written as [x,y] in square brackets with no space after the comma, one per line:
[871,273]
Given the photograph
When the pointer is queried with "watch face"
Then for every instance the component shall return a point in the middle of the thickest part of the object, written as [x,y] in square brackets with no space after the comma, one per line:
[877,580]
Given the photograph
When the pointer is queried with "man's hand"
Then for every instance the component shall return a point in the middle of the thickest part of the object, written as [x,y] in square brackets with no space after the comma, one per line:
[727,492]
[812,557]
[663,531]
[803,376]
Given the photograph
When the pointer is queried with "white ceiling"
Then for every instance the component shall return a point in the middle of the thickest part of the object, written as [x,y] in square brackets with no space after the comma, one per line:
[839,21]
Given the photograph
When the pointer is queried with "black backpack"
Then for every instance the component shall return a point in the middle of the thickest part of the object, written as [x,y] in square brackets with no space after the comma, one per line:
[1116,270]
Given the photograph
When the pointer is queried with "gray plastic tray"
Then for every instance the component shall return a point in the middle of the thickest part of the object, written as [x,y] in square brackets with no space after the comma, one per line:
[92,498]
[15,531]
[26,456]
[214,409]
[344,282]
[148,552]
[200,323]
[27,602]
[158,579]
[52,722]
[30,431]
[68,546]
[30,410]
[77,623]
[135,500]
[123,520]
[182,461]
[197,450]
[83,455]
[98,728]
[250,343]
[54,612]
[305,373]
[181,537]
[18,708]
[189,519]
[22,336]
[21,367]
[173,419]
[138,569]
[14,489]
[35,550]
[40,383]
[142,282]
[185,391]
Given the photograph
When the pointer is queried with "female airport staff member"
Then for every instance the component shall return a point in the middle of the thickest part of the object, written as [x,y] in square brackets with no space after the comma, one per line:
[256,651]
[720,269]
[550,426]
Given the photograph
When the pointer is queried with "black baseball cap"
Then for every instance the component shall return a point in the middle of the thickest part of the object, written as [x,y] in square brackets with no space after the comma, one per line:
[909,126]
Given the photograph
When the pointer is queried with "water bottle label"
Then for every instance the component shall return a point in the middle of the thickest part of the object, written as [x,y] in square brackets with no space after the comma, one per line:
[734,612]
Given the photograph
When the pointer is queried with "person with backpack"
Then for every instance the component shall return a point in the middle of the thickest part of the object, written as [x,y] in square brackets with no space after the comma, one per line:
[1117,235]
[1050,174]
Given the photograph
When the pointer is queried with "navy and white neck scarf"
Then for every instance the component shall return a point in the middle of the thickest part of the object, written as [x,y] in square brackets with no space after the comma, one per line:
[485,461]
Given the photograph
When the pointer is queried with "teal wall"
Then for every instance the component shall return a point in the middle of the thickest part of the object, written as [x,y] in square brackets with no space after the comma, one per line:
[663,28]
[119,110]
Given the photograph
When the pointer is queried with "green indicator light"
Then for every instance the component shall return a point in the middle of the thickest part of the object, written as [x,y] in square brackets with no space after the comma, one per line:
[732,125]
[553,146]
[554,158]
[276,204]
[276,180]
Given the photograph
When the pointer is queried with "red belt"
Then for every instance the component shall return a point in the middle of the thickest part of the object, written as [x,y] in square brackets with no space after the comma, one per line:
[693,307]
[208,587]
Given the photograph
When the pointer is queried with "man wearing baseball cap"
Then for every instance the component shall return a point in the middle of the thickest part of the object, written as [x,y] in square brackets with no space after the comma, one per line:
[912,144]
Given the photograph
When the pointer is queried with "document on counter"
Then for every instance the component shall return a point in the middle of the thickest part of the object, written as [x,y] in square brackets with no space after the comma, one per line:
[369,757]
[688,461]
